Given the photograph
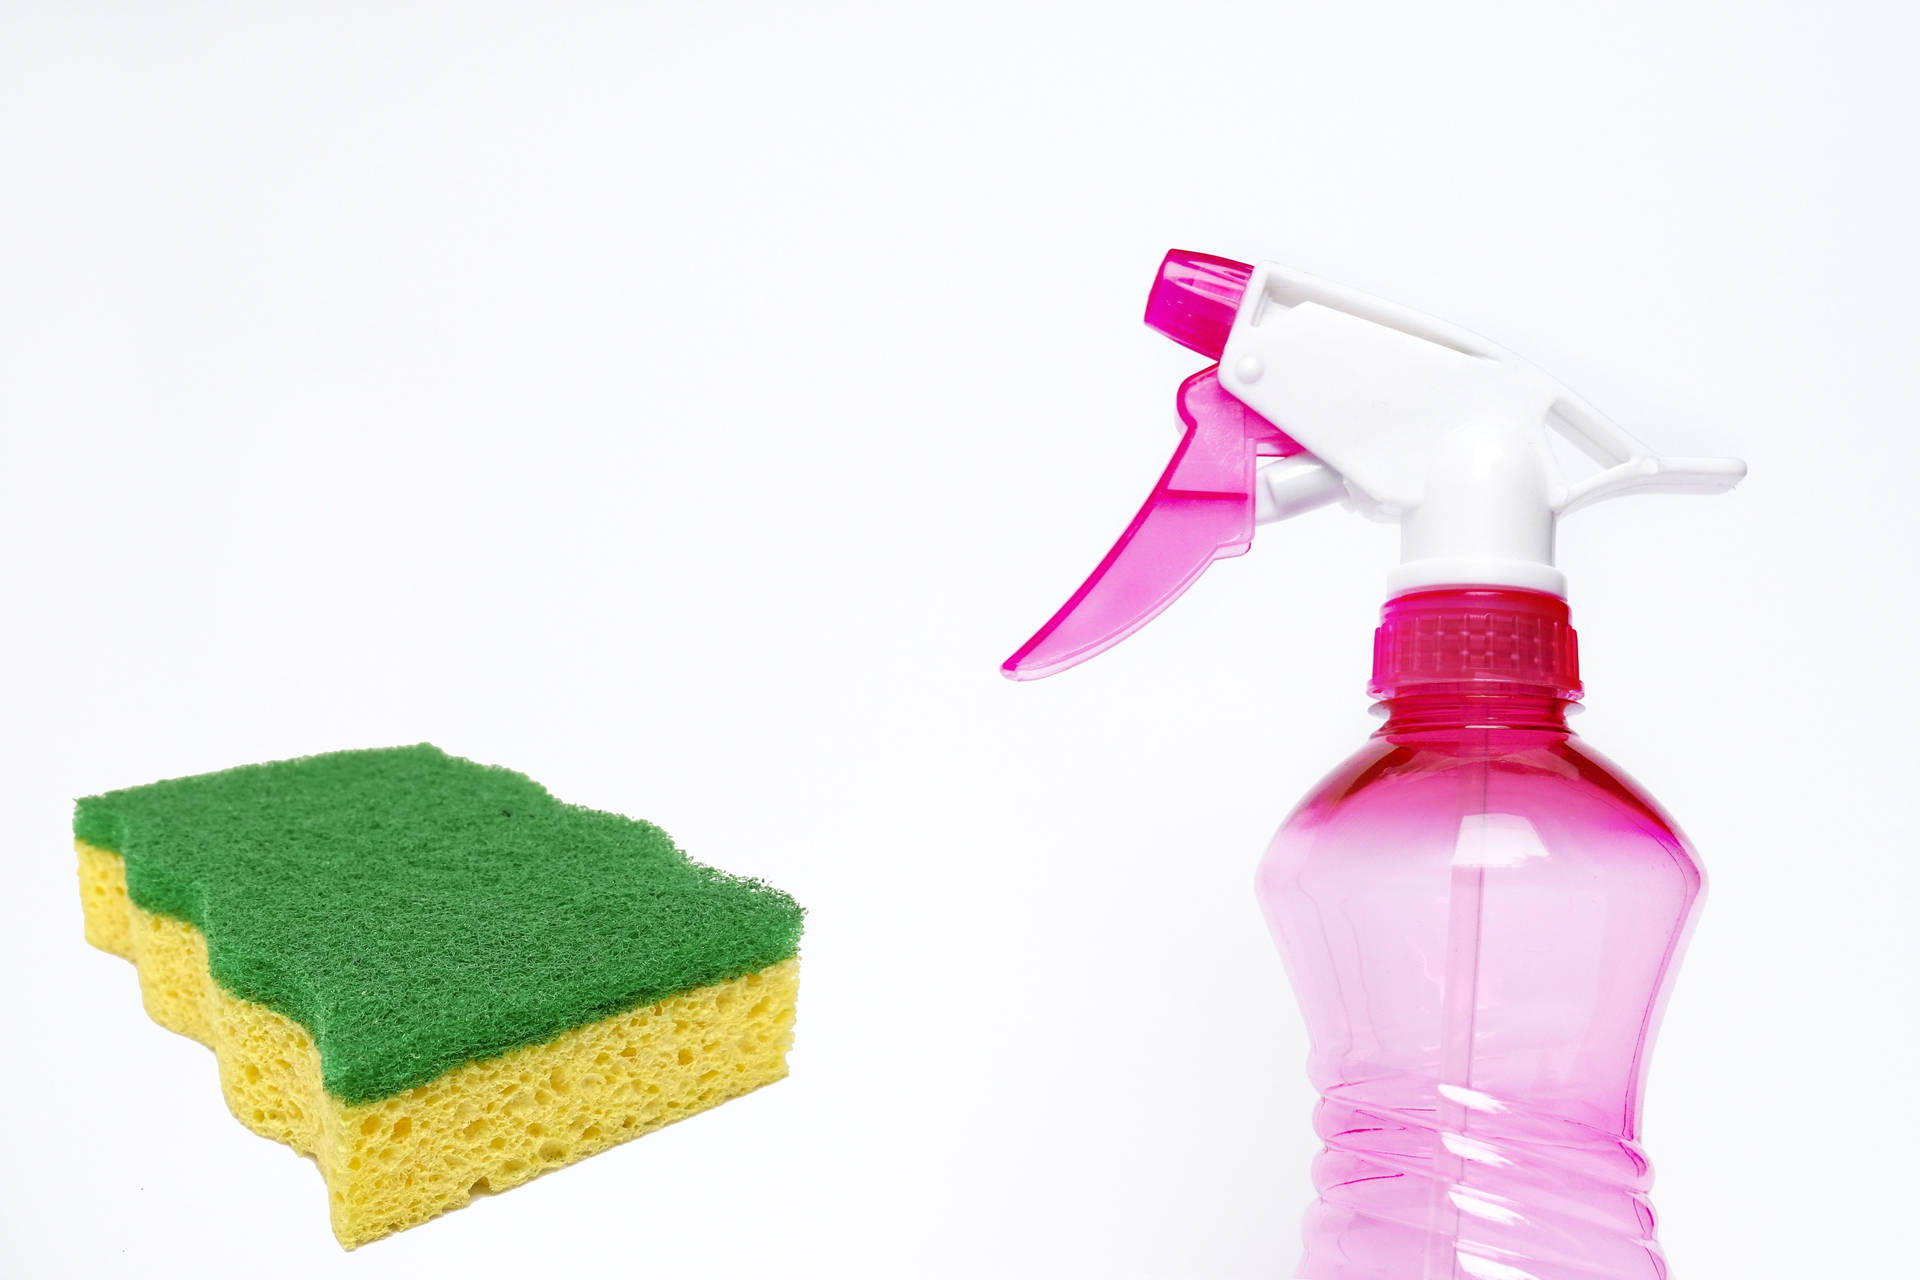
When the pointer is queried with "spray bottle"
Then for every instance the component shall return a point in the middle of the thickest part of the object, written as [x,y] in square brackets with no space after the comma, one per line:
[1480,915]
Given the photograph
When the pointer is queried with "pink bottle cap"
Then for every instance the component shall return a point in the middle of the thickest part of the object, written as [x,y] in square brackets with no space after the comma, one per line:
[1452,637]
[1195,298]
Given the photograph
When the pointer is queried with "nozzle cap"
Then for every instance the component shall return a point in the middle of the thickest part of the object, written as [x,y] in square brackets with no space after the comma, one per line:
[1195,298]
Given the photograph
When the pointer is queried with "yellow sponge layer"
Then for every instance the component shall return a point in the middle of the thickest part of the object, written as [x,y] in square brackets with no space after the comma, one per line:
[485,1126]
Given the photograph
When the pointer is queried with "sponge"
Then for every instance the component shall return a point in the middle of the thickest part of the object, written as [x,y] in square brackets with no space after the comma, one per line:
[432,976]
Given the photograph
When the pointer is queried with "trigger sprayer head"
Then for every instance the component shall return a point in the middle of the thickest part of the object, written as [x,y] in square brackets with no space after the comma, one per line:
[1404,417]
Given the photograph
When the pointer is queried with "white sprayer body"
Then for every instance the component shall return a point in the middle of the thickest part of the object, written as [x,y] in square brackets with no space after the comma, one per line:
[1413,420]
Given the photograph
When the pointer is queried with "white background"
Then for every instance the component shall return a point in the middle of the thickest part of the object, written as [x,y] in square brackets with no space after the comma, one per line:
[690,405]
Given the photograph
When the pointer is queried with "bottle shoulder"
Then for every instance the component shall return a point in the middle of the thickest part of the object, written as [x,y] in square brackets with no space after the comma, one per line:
[1554,780]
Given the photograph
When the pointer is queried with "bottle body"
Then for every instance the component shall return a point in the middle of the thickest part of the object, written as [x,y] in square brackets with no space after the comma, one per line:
[1481,919]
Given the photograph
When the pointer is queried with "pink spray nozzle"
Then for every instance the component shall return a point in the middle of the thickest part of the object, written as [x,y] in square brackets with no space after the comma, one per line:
[1195,298]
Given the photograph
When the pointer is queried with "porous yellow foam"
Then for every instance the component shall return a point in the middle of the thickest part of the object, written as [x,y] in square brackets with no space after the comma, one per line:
[486,1126]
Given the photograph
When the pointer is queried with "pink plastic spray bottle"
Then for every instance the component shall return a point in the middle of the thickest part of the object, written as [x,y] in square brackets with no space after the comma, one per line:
[1480,915]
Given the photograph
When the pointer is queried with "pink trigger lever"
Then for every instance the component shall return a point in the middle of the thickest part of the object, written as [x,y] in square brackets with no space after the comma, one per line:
[1201,511]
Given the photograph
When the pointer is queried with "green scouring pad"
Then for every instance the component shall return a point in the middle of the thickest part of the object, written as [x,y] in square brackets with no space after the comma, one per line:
[443,936]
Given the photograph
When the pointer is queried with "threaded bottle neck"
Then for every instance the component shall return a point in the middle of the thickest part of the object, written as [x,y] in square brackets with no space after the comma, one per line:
[1450,714]
[1475,641]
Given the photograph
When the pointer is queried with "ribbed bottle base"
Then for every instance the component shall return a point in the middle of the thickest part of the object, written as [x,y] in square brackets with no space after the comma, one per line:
[1425,1183]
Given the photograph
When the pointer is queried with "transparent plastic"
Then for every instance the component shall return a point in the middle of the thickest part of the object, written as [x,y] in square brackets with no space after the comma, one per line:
[1194,299]
[1481,918]
[1201,510]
